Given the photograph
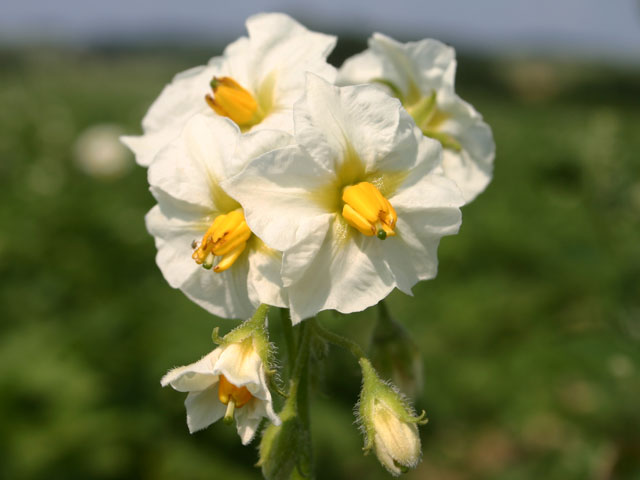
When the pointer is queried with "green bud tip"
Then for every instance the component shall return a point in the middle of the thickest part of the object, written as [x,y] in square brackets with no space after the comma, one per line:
[381,234]
[207,265]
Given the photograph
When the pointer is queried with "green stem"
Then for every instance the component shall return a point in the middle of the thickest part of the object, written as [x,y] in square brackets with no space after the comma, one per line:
[287,329]
[299,393]
[340,341]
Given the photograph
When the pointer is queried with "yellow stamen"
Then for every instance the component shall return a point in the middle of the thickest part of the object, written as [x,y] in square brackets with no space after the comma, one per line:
[226,238]
[228,392]
[366,210]
[231,100]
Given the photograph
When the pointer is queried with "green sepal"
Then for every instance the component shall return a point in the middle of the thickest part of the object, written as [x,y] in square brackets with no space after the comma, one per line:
[256,328]
[445,139]
[423,110]
[391,86]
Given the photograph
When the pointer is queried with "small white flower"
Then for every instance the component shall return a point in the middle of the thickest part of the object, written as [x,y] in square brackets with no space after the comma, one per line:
[421,74]
[205,247]
[229,382]
[361,172]
[255,83]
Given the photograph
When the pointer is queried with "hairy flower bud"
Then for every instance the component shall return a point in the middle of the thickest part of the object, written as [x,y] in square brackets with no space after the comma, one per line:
[389,423]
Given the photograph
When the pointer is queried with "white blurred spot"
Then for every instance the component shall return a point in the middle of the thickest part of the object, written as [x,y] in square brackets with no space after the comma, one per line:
[620,365]
[99,153]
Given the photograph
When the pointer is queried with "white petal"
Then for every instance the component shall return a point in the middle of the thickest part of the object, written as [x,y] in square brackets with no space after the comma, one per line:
[223,294]
[192,167]
[246,424]
[283,45]
[256,143]
[407,154]
[249,416]
[427,210]
[242,365]
[346,274]
[331,121]
[276,193]
[182,98]
[412,253]
[175,226]
[203,409]
[433,190]
[146,147]
[264,280]
[472,167]
[427,64]
[238,62]
[194,377]
[179,101]
[361,68]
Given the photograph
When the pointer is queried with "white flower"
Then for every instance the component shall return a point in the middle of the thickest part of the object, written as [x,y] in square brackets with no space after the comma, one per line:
[229,382]
[255,83]
[361,171]
[205,247]
[421,74]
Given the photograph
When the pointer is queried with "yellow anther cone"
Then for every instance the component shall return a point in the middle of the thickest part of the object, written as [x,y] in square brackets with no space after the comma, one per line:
[366,209]
[227,391]
[232,100]
[226,238]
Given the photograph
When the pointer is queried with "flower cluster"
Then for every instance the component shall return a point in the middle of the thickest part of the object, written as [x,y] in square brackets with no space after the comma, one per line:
[282,181]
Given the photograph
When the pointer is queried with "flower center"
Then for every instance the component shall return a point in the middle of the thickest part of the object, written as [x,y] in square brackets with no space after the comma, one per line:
[231,396]
[429,119]
[231,100]
[228,392]
[226,238]
[366,210]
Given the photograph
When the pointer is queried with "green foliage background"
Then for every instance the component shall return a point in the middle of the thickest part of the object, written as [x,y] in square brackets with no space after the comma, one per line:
[529,334]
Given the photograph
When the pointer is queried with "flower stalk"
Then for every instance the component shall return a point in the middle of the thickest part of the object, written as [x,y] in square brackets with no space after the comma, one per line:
[285,449]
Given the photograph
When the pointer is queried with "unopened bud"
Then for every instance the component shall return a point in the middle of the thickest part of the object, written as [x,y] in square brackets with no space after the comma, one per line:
[389,423]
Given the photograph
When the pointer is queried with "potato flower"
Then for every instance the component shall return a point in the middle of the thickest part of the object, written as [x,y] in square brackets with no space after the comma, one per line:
[228,382]
[205,247]
[421,74]
[254,83]
[358,205]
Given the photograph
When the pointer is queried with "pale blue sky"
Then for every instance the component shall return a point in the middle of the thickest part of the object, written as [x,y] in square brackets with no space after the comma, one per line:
[608,29]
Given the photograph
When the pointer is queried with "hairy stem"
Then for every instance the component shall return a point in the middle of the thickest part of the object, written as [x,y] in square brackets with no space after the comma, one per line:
[339,340]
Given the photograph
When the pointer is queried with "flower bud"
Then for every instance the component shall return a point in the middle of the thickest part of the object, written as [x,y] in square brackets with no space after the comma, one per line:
[389,423]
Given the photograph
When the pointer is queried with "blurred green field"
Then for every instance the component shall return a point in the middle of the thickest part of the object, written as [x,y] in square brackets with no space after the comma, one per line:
[530,334]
